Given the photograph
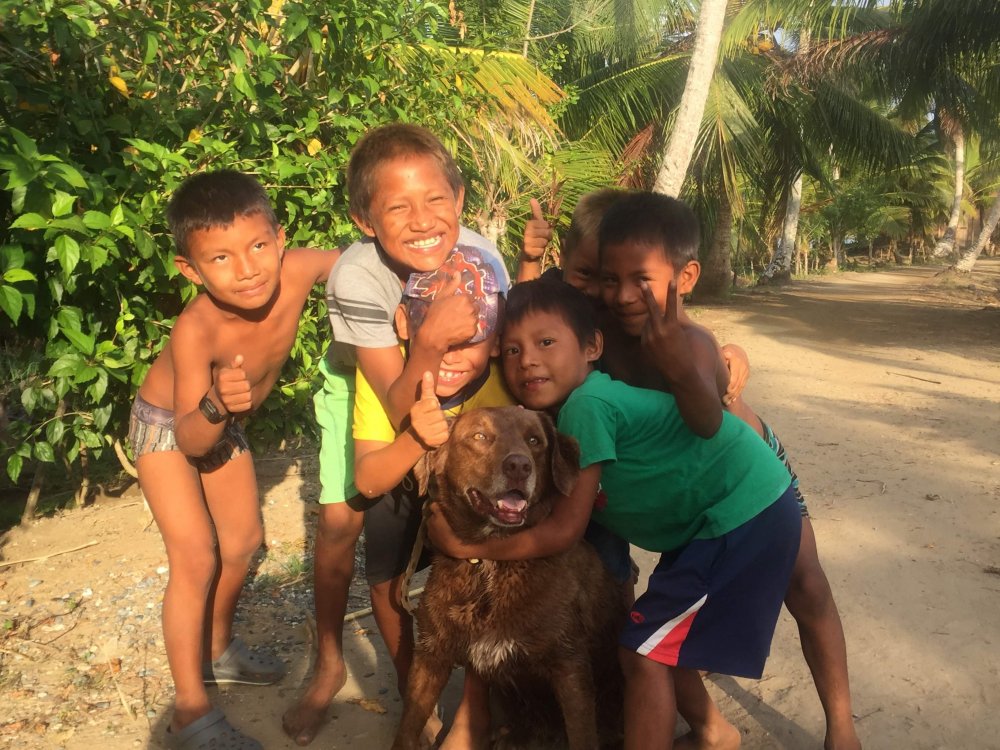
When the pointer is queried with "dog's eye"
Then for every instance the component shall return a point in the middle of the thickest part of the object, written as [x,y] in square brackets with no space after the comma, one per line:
[532,440]
[479,436]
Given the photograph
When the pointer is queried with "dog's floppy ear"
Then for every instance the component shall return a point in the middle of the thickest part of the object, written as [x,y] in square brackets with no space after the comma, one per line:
[565,457]
[432,463]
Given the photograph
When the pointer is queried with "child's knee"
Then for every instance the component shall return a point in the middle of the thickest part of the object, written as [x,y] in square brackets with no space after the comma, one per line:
[238,548]
[339,524]
[196,564]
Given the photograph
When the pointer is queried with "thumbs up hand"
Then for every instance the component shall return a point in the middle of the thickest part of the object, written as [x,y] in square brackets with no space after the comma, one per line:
[233,387]
[427,421]
[537,233]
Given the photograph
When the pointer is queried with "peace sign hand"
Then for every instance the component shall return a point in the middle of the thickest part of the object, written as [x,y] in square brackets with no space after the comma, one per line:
[663,338]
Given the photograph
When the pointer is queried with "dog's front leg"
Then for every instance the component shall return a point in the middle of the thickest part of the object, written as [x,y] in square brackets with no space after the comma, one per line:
[424,685]
[574,687]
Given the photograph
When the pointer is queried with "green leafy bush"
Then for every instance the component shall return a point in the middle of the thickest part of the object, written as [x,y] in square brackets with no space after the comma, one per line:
[106,108]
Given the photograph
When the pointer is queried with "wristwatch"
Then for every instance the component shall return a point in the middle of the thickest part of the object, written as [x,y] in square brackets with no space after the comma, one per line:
[210,411]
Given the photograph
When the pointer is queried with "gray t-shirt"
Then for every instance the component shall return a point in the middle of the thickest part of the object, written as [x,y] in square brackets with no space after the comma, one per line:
[362,294]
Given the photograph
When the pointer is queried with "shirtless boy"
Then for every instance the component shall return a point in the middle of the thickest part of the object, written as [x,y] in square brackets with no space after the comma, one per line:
[224,355]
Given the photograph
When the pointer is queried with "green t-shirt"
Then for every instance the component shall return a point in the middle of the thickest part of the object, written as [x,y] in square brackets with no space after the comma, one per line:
[665,485]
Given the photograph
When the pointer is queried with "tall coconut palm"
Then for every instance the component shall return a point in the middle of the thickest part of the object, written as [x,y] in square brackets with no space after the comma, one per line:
[930,56]
[701,69]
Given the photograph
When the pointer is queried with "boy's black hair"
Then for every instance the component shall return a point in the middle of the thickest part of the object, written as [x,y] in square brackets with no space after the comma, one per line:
[655,220]
[384,144]
[556,297]
[215,199]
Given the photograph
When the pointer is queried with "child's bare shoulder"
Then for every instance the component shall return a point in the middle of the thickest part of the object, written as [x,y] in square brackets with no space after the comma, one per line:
[196,328]
[699,334]
[304,267]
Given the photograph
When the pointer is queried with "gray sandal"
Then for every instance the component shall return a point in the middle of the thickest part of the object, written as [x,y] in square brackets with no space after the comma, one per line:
[211,732]
[239,665]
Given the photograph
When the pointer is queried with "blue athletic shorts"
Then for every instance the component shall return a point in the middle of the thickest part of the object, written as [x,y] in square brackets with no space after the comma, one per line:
[612,549]
[713,603]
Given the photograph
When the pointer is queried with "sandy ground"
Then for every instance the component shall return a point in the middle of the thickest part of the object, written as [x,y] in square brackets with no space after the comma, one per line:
[882,385]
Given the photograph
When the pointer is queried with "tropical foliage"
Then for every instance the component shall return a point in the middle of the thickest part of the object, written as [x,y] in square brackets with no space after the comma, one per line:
[874,121]
[108,108]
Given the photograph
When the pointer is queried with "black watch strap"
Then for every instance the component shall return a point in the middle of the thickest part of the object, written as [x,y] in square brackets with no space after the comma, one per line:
[210,411]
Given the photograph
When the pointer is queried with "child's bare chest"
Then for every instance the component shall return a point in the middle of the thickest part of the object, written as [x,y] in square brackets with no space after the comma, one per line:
[264,347]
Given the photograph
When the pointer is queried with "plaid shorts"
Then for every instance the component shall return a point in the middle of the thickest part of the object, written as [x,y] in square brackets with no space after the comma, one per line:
[151,429]
[772,440]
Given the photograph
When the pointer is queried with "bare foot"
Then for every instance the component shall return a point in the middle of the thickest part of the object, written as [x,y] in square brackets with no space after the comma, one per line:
[429,737]
[466,736]
[302,721]
[723,736]
[846,740]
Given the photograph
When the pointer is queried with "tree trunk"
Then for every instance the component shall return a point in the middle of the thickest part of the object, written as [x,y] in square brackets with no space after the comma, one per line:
[946,245]
[717,271]
[492,227]
[896,255]
[780,267]
[968,259]
[527,29]
[704,59]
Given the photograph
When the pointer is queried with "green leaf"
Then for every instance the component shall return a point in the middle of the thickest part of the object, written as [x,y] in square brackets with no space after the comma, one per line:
[101,417]
[30,221]
[14,464]
[29,397]
[20,172]
[117,215]
[66,365]
[240,84]
[43,452]
[70,317]
[84,375]
[11,256]
[80,340]
[11,302]
[69,174]
[54,431]
[25,145]
[62,204]
[237,57]
[67,252]
[99,387]
[96,220]
[15,275]
[150,47]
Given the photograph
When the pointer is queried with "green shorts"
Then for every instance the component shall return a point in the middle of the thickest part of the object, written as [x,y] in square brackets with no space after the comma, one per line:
[334,403]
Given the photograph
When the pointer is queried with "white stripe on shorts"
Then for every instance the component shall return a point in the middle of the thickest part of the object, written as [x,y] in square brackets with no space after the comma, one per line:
[664,630]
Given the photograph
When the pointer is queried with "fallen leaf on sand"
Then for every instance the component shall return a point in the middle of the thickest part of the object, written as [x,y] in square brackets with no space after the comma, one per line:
[369,704]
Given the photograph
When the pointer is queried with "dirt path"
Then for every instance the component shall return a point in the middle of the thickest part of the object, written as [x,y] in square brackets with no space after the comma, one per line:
[883,386]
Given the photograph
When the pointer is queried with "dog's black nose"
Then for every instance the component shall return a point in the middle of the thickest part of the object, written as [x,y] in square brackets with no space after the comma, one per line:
[517,467]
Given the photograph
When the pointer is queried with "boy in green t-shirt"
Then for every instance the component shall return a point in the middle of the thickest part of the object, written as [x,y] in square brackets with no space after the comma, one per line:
[672,473]
[652,239]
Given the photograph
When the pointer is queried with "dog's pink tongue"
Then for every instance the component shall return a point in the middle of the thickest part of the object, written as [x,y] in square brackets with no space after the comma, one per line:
[512,502]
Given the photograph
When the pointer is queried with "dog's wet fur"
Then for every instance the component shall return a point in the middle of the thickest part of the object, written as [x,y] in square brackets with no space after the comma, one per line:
[533,629]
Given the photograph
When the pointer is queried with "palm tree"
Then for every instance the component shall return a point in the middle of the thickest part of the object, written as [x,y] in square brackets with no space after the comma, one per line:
[701,68]
[927,56]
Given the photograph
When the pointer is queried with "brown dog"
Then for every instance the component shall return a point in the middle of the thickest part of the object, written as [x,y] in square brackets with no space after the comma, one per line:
[550,620]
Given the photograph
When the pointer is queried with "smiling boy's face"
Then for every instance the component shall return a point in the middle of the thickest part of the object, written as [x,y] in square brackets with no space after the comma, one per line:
[544,361]
[238,264]
[625,265]
[414,213]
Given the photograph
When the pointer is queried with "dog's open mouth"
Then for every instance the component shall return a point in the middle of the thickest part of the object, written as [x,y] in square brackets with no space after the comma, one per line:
[509,509]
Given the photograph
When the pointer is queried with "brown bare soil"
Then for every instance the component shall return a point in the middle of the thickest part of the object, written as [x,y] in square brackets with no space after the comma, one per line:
[882,385]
